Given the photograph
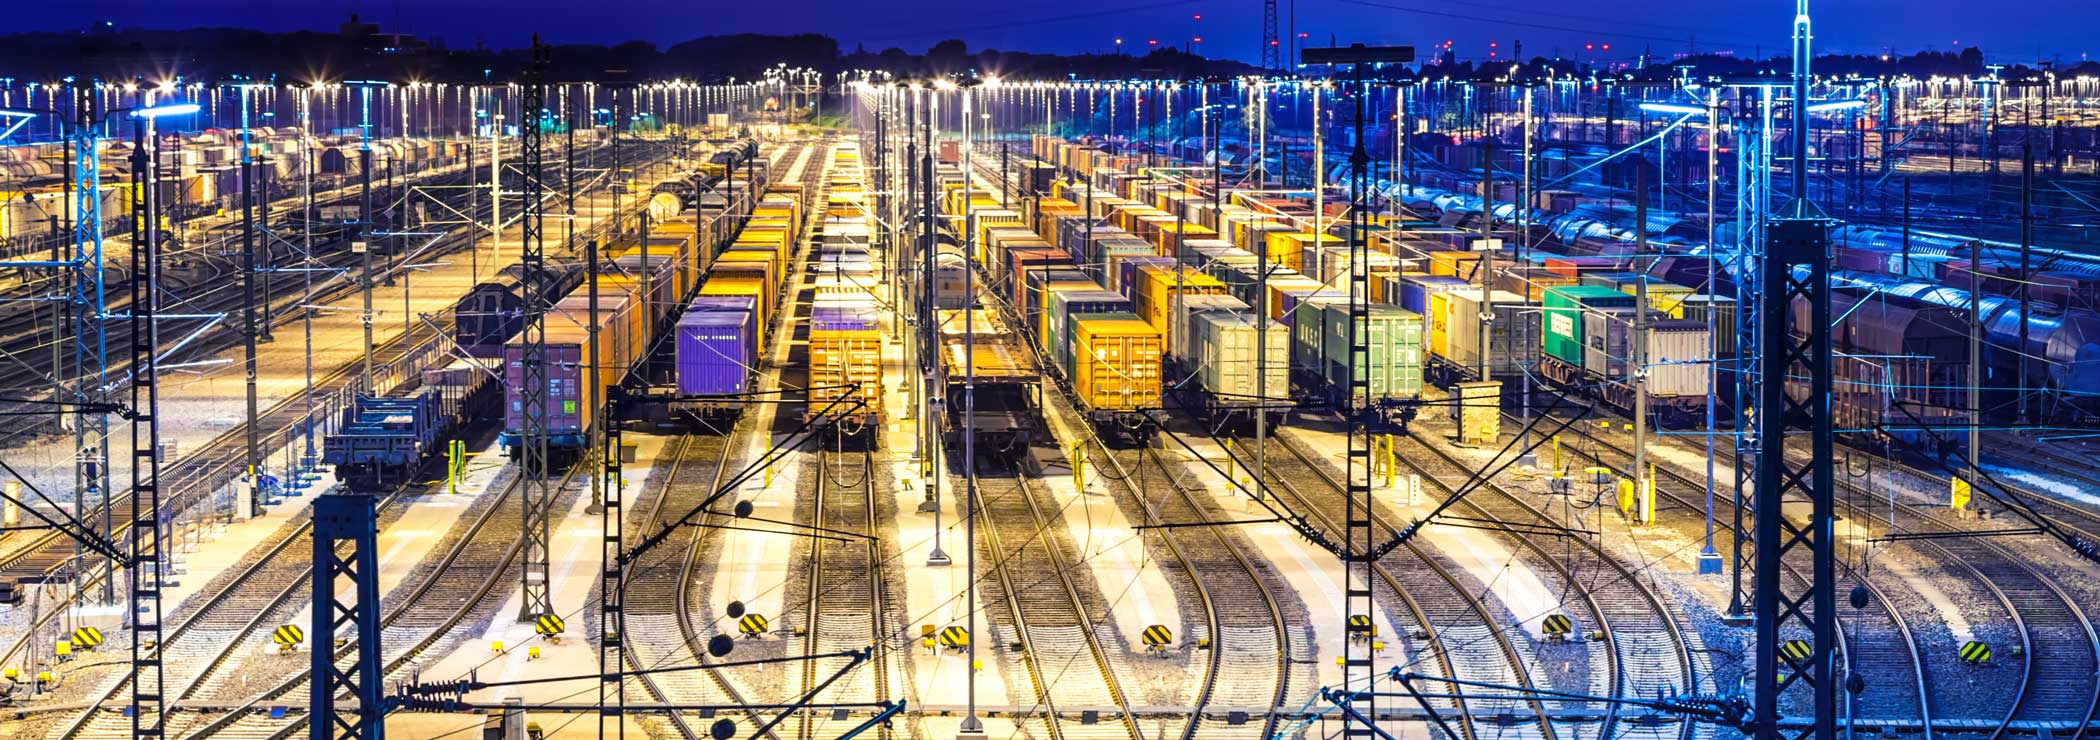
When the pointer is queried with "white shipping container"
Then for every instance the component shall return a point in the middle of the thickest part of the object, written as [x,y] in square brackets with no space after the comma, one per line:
[1226,351]
[1335,267]
[1461,335]
[1680,355]
[1179,345]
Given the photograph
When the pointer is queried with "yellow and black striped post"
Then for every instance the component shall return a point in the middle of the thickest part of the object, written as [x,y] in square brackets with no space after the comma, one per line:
[1361,628]
[87,638]
[1558,626]
[955,638]
[1157,637]
[549,626]
[288,637]
[752,625]
[1975,652]
[1795,650]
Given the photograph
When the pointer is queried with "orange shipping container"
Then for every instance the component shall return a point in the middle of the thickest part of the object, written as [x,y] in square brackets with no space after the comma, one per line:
[1115,362]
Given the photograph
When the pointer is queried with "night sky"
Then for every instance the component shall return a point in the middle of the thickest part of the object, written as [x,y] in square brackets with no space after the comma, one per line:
[2009,32]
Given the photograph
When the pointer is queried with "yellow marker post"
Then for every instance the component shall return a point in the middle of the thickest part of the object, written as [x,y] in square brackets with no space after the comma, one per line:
[1647,492]
[1625,489]
[1958,497]
[495,646]
[1555,439]
[1392,462]
[1079,467]
[1231,475]
[532,653]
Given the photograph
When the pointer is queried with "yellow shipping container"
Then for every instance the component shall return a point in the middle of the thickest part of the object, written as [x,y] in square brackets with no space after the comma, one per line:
[1455,264]
[1665,297]
[1115,362]
[1287,248]
[1156,286]
[839,359]
[745,287]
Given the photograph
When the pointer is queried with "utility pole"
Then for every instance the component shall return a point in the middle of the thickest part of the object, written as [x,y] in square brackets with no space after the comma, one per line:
[970,724]
[2026,267]
[363,244]
[252,493]
[1639,367]
[148,558]
[1359,553]
[1488,248]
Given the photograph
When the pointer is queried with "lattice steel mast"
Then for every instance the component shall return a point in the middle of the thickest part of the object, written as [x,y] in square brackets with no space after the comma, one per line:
[536,497]
[1785,610]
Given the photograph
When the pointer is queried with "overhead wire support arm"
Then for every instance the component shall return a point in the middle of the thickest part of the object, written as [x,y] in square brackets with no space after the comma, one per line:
[771,455]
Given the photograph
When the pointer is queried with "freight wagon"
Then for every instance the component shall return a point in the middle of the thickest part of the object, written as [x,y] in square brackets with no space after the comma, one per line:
[979,350]
[1212,369]
[1588,349]
[384,441]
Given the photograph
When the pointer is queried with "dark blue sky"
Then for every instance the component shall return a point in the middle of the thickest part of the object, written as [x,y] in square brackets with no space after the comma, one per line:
[2012,31]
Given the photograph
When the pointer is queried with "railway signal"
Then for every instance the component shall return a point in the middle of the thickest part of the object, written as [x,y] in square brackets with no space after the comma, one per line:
[1361,628]
[1795,650]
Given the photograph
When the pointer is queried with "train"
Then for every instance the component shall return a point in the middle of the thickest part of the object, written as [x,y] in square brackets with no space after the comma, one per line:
[647,279]
[847,329]
[386,440]
[2063,316]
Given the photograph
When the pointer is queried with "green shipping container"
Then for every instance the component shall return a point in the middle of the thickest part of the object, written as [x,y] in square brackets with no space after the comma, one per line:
[1394,338]
[1562,331]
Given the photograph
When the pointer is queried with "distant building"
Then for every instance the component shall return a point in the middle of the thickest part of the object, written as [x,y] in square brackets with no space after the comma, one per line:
[371,40]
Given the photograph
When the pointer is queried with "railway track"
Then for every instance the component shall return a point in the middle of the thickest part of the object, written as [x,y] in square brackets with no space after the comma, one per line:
[49,554]
[1039,609]
[1646,651]
[660,594]
[1452,634]
[2057,635]
[415,618]
[848,607]
[1886,641]
[1256,661]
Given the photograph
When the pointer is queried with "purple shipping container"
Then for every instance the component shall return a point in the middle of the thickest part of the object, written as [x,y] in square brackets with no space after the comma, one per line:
[716,351]
[563,399]
[844,318]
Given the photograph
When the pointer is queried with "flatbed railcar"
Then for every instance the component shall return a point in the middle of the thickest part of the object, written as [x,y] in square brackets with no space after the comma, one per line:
[978,349]
[385,440]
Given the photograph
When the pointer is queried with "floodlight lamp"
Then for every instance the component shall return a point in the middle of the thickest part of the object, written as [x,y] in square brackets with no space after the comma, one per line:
[1675,109]
[162,111]
[1835,105]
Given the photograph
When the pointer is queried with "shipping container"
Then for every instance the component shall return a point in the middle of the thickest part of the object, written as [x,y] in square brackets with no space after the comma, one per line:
[1222,350]
[1680,359]
[1393,366]
[1454,331]
[716,351]
[1155,290]
[1562,335]
[1116,362]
